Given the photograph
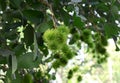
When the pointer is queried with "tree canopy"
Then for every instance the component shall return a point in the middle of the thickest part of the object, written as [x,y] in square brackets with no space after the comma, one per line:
[34,33]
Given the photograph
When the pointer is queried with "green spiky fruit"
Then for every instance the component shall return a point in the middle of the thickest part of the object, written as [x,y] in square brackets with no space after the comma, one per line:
[75,37]
[53,77]
[75,69]
[69,55]
[104,41]
[60,37]
[57,55]
[67,52]
[56,38]
[49,35]
[90,44]
[79,78]
[63,29]
[53,45]
[63,61]
[100,49]
[87,37]
[56,64]
[86,32]
[65,49]
[70,74]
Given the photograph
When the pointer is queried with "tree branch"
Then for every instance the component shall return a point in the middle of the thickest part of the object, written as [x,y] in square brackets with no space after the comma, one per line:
[50,7]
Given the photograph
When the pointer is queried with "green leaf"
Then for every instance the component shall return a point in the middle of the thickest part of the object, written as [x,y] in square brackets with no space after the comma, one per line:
[14,64]
[18,78]
[8,78]
[16,2]
[26,61]
[77,22]
[15,78]
[19,49]
[70,8]
[35,5]
[44,26]
[114,9]
[102,7]
[3,60]
[27,79]
[2,5]
[33,16]
[111,30]
[7,15]
[28,35]
[65,16]
[12,26]
[114,12]
[56,3]
[15,25]
[100,20]
[11,35]
[29,1]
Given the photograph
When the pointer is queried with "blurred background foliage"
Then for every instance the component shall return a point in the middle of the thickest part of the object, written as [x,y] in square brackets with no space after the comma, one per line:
[43,40]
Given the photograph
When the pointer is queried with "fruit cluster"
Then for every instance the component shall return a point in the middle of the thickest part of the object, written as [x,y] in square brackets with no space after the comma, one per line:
[56,41]
[72,72]
[96,42]
[99,50]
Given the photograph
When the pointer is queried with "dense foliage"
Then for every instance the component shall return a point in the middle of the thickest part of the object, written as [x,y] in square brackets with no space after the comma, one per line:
[34,33]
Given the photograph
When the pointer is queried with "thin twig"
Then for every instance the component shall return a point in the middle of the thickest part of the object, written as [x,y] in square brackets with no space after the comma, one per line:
[50,7]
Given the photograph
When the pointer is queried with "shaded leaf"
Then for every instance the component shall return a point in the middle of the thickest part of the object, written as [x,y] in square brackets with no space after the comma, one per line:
[2,5]
[111,30]
[44,26]
[27,79]
[29,35]
[19,49]
[77,22]
[16,2]
[33,16]
[27,61]
[15,25]
[3,60]
[65,16]
[16,78]
[114,9]
[102,7]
